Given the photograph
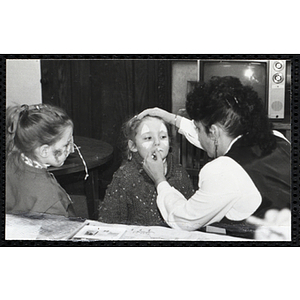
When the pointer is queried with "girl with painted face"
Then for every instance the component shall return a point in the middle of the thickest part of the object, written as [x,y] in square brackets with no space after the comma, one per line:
[131,196]
[37,136]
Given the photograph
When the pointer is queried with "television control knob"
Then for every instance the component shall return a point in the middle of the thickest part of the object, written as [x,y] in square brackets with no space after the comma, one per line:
[277,78]
[278,65]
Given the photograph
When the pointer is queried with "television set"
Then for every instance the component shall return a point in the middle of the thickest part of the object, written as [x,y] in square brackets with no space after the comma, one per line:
[269,78]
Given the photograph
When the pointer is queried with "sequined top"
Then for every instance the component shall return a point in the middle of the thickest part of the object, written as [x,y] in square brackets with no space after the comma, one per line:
[131,196]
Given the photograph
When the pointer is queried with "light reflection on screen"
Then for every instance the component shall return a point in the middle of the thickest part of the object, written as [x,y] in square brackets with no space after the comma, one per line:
[249,73]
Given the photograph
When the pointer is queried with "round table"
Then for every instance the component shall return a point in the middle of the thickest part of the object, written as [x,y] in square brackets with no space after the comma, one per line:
[95,153]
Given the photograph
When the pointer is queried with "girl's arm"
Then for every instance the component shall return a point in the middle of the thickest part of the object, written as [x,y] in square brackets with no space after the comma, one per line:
[58,208]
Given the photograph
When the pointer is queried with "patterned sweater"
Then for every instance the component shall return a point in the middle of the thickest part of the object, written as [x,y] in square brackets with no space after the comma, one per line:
[131,196]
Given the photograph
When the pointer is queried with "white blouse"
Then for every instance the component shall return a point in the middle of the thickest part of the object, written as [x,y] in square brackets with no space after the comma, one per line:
[224,189]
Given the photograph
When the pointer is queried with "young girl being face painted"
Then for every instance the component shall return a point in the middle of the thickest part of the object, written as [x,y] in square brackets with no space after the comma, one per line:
[151,135]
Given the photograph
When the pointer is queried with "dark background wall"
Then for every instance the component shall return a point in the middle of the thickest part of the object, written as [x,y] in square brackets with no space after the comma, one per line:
[100,95]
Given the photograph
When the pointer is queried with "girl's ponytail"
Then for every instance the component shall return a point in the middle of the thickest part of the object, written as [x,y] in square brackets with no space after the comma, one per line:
[13,115]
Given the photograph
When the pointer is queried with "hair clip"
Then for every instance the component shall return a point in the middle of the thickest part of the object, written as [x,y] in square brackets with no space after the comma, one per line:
[228,102]
[235,100]
[24,107]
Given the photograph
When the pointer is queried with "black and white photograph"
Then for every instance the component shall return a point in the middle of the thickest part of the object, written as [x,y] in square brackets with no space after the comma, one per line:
[150,150]
[191,149]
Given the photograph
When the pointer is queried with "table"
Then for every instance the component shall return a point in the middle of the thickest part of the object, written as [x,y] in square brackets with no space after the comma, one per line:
[95,153]
[59,228]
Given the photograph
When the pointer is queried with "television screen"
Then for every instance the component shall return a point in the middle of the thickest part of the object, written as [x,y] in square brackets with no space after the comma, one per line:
[249,73]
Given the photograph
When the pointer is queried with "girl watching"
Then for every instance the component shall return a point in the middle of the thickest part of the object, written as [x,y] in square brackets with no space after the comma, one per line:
[37,136]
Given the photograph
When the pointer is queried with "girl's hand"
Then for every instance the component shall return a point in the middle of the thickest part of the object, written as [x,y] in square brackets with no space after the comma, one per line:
[154,167]
[158,112]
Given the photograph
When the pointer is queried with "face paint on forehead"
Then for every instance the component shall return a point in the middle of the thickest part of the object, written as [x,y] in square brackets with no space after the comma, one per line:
[145,129]
[163,128]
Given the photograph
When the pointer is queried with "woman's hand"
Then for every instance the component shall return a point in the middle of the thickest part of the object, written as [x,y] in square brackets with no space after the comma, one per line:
[154,167]
[158,112]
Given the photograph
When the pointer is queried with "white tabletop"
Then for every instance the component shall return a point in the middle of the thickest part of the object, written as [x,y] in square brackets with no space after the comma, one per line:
[49,227]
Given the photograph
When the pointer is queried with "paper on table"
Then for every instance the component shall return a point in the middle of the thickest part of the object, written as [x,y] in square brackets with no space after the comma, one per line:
[93,232]
[134,232]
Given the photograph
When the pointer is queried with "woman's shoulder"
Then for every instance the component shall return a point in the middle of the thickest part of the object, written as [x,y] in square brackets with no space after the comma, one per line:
[228,175]
[222,164]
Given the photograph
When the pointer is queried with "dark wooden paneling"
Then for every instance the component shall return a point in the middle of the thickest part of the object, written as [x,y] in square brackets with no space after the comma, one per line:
[56,83]
[141,85]
[81,98]
[164,71]
[100,95]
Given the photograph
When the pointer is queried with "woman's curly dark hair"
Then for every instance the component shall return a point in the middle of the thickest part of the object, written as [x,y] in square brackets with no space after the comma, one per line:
[236,107]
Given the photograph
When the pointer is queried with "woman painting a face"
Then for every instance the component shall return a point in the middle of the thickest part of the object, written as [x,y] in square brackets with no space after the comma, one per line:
[244,179]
